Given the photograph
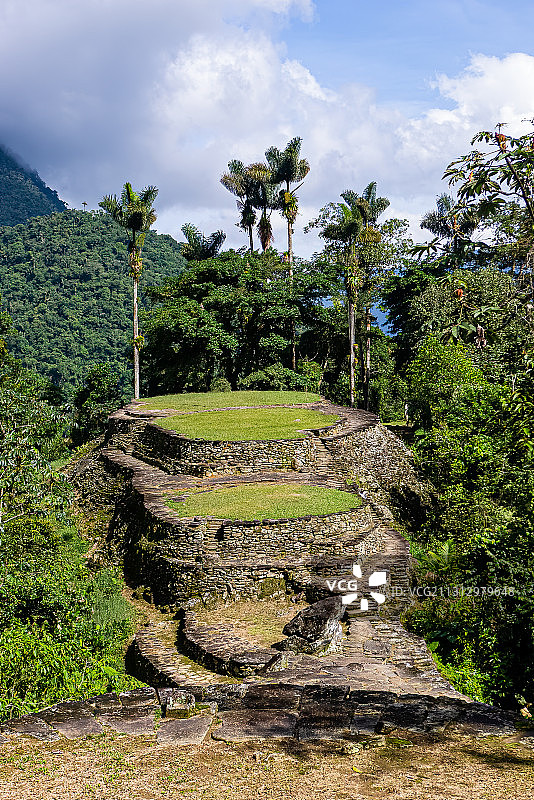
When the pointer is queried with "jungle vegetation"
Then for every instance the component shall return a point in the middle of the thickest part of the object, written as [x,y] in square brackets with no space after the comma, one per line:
[457,360]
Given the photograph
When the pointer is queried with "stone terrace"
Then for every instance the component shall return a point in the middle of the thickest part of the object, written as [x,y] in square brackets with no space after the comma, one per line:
[380,679]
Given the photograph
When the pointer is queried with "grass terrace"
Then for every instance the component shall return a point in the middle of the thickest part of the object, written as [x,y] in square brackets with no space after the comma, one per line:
[249,424]
[251,501]
[196,401]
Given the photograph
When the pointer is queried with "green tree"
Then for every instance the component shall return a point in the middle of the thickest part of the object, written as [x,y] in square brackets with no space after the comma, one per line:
[242,182]
[230,317]
[288,167]
[97,397]
[199,247]
[135,213]
[355,244]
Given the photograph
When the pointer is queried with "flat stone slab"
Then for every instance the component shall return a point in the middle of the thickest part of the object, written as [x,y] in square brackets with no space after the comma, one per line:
[133,721]
[272,696]
[184,731]
[71,720]
[104,702]
[30,725]
[242,726]
[139,698]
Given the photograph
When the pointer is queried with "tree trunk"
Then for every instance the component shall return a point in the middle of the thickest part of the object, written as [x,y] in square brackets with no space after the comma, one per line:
[251,240]
[135,337]
[367,364]
[351,352]
[290,263]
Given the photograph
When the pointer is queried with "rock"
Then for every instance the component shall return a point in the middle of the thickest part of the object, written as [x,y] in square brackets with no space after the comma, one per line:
[325,713]
[104,702]
[184,731]
[31,725]
[133,721]
[315,629]
[481,718]
[241,726]
[408,713]
[272,696]
[175,700]
[139,698]
[71,719]
[365,719]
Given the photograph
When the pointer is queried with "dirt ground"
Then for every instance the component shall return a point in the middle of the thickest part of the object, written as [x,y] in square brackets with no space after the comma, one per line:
[114,767]
[259,621]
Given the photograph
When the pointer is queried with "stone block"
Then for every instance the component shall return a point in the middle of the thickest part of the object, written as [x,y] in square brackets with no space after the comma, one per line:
[104,702]
[184,731]
[241,726]
[145,697]
[359,696]
[30,725]
[406,714]
[132,721]
[270,696]
[481,718]
[175,700]
[72,720]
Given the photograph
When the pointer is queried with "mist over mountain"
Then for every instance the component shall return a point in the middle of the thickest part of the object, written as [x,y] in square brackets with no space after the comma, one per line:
[23,194]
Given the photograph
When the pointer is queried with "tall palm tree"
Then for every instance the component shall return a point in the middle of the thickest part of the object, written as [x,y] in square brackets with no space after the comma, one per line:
[286,168]
[344,230]
[242,182]
[350,228]
[265,199]
[135,213]
[199,247]
[370,207]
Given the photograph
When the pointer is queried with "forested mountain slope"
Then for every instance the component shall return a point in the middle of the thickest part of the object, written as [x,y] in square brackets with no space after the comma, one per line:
[64,280]
[23,194]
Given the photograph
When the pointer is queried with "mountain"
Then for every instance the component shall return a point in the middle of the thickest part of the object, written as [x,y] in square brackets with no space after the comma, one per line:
[64,280]
[23,194]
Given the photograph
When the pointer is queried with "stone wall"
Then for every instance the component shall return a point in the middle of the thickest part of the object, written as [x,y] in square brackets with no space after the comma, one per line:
[248,711]
[176,454]
[374,458]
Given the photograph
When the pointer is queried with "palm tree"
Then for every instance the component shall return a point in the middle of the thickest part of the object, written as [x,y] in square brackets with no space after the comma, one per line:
[286,168]
[242,181]
[370,207]
[344,231]
[199,247]
[135,213]
[455,224]
[265,199]
[349,227]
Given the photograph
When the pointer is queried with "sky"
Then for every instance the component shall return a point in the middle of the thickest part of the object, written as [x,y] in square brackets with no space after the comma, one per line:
[94,93]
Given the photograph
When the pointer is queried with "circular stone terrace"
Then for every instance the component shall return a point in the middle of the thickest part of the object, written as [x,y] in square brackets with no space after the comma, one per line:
[239,432]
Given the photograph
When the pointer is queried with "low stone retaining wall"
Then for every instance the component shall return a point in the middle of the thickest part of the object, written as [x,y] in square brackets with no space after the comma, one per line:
[176,454]
[207,558]
[217,649]
[262,711]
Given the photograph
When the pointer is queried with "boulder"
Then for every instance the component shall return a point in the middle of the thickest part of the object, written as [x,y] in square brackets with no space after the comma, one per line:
[316,629]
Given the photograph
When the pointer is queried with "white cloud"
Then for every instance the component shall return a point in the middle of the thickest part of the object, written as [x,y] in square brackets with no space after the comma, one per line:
[99,92]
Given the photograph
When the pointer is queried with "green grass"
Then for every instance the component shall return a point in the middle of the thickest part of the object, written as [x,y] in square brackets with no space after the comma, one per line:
[194,401]
[264,501]
[248,424]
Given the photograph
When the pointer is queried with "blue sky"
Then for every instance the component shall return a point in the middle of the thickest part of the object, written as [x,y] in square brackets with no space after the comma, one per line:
[398,47]
[97,92]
